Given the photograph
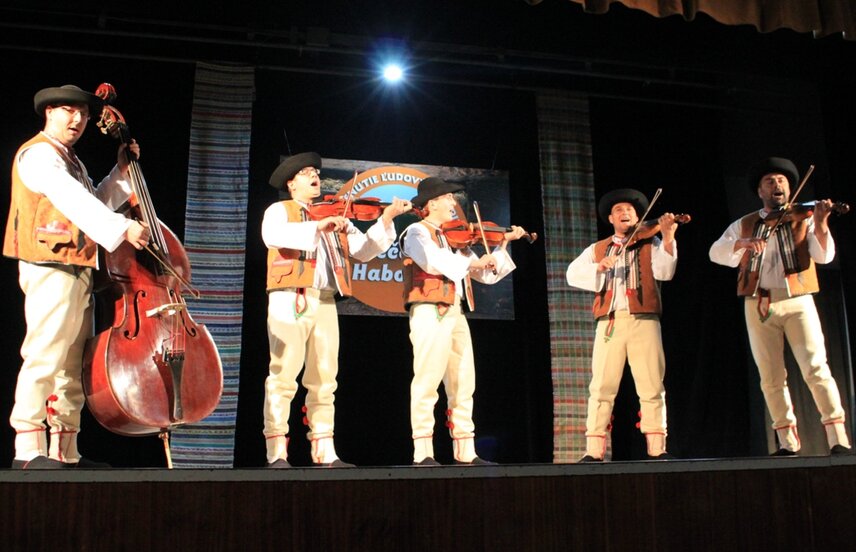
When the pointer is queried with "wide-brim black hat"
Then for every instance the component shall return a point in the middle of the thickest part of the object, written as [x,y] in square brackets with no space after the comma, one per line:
[772,165]
[622,195]
[432,187]
[290,167]
[67,94]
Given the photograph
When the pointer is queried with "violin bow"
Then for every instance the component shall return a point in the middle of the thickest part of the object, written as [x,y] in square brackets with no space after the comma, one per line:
[779,223]
[639,224]
[481,229]
[350,193]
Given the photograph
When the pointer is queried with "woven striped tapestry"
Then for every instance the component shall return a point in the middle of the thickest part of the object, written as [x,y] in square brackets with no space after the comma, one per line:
[215,239]
[570,225]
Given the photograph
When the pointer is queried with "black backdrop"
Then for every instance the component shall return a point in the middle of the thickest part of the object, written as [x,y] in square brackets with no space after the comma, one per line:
[686,149]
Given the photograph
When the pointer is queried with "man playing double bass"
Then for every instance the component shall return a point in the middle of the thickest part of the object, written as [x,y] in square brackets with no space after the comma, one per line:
[57,220]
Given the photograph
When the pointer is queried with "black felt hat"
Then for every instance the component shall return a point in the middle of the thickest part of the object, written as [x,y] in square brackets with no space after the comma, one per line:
[432,187]
[67,94]
[770,165]
[290,167]
[622,195]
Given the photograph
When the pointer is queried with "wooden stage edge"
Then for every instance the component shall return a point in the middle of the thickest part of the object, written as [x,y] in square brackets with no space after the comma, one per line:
[796,503]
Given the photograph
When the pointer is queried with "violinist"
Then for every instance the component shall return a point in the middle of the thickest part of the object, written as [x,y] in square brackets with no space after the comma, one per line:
[439,276]
[627,309]
[777,278]
[308,263]
[57,221]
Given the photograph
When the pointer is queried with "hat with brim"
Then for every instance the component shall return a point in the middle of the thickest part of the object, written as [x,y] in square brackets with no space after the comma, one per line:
[67,94]
[772,165]
[432,187]
[622,195]
[287,170]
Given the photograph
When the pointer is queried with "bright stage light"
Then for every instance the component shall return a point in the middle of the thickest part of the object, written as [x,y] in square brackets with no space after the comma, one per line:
[392,72]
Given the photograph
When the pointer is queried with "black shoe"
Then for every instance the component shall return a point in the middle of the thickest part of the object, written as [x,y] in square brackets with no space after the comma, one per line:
[427,462]
[87,464]
[38,463]
[278,464]
[475,462]
[334,464]
[589,459]
[839,450]
[664,456]
[784,452]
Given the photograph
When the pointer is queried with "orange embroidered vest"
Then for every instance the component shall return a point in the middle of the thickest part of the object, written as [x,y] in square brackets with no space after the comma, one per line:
[294,268]
[802,278]
[645,299]
[38,232]
[422,287]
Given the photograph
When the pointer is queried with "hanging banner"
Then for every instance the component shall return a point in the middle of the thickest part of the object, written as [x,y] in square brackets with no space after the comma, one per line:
[378,284]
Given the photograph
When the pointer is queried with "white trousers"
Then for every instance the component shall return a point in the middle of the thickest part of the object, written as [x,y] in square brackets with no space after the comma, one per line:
[795,319]
[442,352]
[58,313]
[295,338]
[637,339]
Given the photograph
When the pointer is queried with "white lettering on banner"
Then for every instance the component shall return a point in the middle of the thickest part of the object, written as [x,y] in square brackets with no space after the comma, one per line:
[392,253]
[383,274]
[399,177]
[365,183]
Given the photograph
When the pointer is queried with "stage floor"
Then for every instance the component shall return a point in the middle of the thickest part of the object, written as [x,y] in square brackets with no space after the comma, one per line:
[794,503]
[375,473]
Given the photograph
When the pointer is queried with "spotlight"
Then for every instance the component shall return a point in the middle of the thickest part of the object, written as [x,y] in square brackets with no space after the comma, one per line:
[392,72]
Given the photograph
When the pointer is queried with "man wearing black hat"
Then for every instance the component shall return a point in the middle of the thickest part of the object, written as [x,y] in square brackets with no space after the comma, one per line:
[777,277]
[308,263]
[627,308]
[437,277]
[57,220]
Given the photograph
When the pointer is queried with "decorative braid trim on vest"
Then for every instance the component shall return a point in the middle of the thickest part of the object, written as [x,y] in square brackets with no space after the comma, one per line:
[800,272]
[645,298]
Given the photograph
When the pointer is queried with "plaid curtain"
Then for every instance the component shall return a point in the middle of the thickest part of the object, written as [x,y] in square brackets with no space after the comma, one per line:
[215,239]
[570,225]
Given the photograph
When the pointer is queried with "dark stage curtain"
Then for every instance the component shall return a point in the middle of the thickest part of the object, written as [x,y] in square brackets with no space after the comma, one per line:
[821,17]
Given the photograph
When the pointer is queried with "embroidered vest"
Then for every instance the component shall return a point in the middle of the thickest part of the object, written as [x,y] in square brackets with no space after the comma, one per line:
[645,299]
[294,268]
[801,276]
[38,232]
[422,287]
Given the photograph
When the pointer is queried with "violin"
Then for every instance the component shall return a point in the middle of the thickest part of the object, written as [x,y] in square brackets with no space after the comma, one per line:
[461,234]
[796,212]
[651,228]
[361,208]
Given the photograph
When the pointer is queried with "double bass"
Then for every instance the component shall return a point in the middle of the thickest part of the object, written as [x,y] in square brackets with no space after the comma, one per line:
[153,368]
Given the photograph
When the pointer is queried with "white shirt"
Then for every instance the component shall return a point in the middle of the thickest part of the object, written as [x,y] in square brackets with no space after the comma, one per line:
[278,232]
[772,269]
[582,272]
[43,171]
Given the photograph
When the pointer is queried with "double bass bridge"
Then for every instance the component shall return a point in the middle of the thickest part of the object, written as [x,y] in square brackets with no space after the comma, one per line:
[167,309]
